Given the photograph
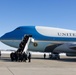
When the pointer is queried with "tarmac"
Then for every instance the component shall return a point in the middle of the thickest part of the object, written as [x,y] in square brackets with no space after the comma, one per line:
[38,66]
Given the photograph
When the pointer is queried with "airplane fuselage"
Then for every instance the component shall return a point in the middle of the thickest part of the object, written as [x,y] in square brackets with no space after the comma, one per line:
[46,39]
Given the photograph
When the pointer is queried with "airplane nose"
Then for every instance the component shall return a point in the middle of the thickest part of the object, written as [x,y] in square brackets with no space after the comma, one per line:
[8,36]
[0,37]
[4,37]
[8,39]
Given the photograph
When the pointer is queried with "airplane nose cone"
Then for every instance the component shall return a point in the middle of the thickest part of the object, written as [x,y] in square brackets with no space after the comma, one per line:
[0,37]
[8,39]
[5,36]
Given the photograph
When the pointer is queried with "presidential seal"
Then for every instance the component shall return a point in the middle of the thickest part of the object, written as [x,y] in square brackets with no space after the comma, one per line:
[35,44]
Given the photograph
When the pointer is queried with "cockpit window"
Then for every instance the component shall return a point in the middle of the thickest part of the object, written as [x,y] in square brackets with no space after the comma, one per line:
[18,28]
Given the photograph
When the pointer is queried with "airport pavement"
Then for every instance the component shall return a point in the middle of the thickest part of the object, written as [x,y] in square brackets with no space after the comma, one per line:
[38,66]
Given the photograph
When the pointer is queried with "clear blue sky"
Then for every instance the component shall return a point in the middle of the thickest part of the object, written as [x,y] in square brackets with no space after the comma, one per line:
[55,13]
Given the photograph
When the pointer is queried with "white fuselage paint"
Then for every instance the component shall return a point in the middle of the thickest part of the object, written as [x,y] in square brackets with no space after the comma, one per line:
[55,32]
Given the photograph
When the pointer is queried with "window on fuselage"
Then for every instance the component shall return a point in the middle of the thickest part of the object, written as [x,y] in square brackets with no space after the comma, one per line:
[18,28]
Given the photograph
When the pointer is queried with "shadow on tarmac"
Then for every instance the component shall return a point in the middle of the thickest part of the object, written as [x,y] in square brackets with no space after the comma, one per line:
[61,59]
[7,59]
[67,59]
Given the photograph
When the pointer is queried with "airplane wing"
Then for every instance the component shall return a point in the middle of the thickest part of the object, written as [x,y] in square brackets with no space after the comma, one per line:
[74,48]
[51,47]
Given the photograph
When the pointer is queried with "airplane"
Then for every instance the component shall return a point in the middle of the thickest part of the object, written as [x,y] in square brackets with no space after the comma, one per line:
[46,39]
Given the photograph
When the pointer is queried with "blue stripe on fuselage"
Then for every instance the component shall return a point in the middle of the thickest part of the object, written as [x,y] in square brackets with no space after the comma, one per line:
[19,33]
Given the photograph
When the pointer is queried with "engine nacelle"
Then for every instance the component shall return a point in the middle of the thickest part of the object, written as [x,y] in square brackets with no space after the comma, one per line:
[70,54]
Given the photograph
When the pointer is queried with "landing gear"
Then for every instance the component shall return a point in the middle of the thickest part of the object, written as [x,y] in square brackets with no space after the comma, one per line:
[54,56]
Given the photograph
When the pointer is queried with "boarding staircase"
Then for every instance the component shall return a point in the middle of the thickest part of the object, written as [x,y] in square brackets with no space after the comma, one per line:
[23,47]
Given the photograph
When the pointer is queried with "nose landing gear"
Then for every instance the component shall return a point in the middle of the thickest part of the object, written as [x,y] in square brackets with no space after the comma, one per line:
[54,56]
